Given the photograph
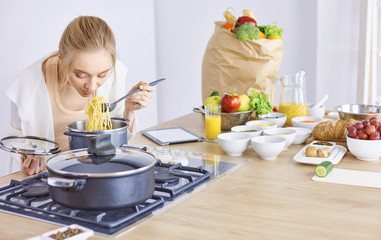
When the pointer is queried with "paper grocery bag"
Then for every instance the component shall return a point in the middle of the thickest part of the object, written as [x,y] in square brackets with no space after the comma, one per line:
[230,63]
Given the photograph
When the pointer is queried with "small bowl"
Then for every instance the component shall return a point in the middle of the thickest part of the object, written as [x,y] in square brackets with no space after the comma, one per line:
[286,133]
[365,150]
[302,134]
[85,234]
[268,147]
[317,112]
[233,143]
[278,118]
[253,131]
[323,144]
[305,122]
[264,124]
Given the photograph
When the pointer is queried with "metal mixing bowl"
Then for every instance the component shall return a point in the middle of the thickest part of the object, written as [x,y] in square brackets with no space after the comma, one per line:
[359,111]
[229,120]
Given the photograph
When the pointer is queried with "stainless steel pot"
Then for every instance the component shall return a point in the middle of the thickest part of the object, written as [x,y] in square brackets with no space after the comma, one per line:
[101,177]
[80,138]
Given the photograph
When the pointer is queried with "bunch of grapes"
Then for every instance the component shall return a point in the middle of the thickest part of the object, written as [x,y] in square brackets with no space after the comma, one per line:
[365,130]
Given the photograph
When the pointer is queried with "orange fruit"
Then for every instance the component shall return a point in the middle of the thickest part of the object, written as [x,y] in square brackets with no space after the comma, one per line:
[228,26]
[262,35]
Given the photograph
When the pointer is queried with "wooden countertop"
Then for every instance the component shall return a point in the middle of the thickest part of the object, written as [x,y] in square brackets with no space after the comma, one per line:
[262,200]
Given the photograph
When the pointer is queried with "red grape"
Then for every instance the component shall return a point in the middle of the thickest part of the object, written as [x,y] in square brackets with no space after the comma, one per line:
[370,129]
[375,136]
[359,126]
[365,123]
[352,132]
[357,137]
[373,119]
[363,136]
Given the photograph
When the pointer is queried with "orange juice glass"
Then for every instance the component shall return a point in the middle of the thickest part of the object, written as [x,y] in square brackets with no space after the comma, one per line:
[212,122]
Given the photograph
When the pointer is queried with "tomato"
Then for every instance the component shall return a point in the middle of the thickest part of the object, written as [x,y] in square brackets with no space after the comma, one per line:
[245,19]
[230,102]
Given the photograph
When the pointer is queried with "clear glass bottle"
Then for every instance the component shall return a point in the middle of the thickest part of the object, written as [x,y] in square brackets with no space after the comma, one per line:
[163,154]
[292,100]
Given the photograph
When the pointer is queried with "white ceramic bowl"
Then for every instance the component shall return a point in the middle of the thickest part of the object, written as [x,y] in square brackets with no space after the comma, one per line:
[253,131]
[318,112]
[268,147]
[233,143]
[286,133]
[264,124]
[302,134]
[305,122]
[366,150]
[278,118]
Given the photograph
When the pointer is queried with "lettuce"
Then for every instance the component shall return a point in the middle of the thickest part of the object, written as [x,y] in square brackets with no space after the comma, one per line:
[260,103]
[271,29]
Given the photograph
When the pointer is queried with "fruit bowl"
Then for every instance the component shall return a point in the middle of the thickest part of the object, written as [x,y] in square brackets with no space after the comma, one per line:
[229,120]
[366,150]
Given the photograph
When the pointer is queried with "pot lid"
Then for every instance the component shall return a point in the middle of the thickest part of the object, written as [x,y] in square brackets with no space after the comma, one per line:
[125,161]
[29,145]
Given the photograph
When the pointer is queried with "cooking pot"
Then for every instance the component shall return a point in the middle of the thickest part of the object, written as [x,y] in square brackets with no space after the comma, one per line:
[101,177]
[79,137]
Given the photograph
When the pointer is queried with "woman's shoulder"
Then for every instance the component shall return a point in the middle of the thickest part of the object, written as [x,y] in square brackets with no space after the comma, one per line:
[34,71]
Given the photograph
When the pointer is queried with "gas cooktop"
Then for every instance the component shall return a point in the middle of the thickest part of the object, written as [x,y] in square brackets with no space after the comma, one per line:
[30,197]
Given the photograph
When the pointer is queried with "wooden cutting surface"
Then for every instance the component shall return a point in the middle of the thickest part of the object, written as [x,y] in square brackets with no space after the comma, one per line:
[262,200]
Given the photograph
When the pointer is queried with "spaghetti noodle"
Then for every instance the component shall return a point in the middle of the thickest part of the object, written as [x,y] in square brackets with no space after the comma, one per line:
[97,119]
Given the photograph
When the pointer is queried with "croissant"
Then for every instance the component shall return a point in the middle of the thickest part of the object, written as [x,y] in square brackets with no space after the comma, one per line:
[332,129]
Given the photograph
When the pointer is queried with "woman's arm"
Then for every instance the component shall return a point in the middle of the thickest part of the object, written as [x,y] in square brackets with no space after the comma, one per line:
[137,101]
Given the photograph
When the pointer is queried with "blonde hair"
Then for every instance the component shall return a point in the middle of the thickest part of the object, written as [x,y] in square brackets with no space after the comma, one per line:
[83,34]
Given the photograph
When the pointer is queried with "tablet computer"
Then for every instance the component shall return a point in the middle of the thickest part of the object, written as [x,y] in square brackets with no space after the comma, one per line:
[166,136]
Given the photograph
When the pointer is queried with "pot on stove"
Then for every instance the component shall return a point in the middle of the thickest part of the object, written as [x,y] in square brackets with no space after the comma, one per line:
[102,176]
[79,137]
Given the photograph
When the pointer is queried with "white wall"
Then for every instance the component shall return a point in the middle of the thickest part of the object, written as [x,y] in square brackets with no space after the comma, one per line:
[167,38]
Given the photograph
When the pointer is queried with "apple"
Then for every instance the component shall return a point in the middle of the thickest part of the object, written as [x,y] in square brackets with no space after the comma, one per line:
[230,102]
[245,103]
[213,100]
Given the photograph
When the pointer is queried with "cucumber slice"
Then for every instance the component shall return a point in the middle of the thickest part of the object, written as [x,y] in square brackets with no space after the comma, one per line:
[323,169]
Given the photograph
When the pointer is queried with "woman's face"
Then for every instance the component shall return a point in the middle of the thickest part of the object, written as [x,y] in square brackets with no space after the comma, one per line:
[90,71]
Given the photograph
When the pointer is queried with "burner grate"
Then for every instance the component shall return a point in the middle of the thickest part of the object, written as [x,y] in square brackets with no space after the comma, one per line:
[104,222]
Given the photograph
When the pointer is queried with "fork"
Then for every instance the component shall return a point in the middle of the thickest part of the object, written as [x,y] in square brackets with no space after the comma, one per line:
[113,105]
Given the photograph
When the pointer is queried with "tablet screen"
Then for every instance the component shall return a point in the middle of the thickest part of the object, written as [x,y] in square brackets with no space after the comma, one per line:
[165,136]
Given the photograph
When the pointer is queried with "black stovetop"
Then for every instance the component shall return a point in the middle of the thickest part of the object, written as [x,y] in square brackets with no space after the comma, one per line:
[14,198]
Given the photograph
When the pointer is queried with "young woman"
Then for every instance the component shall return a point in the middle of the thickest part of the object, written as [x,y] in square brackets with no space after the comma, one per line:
[53,92]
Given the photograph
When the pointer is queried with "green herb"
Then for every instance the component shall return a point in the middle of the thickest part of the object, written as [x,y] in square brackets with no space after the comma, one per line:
[260,103]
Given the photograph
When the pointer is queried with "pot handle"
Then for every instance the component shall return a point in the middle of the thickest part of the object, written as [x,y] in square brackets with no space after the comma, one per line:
[77,134]
[122,119]
[69,184]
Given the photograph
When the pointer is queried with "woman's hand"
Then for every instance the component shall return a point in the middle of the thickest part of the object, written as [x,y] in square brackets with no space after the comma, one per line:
[32,164]
[138,100]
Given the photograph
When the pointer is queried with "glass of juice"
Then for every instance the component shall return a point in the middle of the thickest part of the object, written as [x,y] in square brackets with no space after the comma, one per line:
[212,122]
[292,100]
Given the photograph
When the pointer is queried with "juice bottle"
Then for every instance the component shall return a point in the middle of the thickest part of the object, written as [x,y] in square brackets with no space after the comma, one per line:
[213,127]
[292,110]
[292,100]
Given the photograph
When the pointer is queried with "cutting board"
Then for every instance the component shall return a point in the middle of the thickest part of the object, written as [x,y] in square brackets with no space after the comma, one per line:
[352,177]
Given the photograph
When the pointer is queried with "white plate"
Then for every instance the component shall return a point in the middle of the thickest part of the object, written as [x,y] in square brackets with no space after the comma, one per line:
[336,155]
[81,236]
